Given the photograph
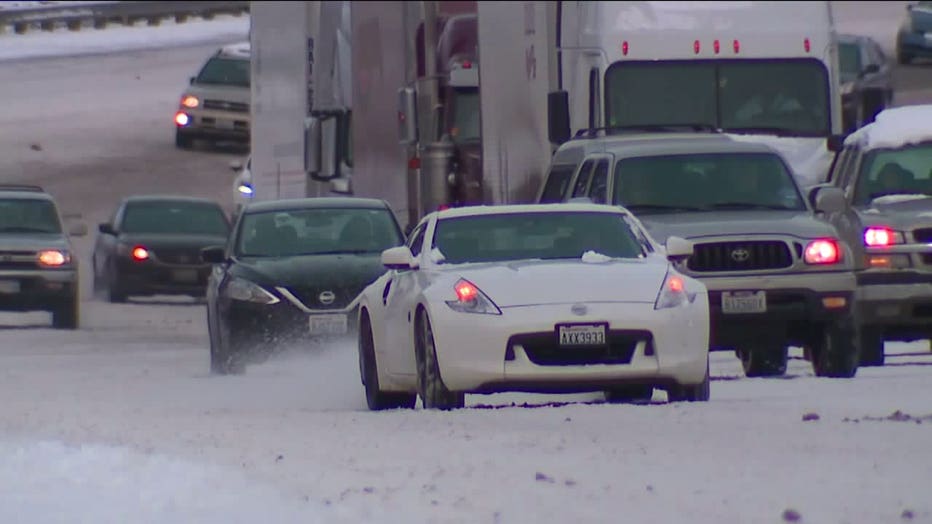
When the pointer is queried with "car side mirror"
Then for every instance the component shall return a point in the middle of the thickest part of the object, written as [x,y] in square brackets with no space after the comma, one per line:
[191,80]
[835,143]
[106,229]
[558,117]
[398,258]
[214,255]
[829,199]
[235,165]
[678,249]
[77,230]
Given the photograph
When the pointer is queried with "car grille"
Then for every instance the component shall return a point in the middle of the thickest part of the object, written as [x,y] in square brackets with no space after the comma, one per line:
[223,105]
[342,296]
[180,256]
[544,349]
[18,260]
[740,256]
[923,236]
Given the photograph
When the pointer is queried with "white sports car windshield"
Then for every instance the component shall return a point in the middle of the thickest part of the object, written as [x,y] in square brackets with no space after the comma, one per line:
[525,236]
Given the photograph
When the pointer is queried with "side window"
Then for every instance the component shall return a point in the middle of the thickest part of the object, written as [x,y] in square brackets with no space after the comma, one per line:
[558,180]
[874,54]
[582,179]
[846,167]
[416,241]
[598,190]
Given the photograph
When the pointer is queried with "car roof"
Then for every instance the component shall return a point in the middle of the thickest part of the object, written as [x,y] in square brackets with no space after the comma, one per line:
[653,144]
[168,199]
[288,204]
[567,207]
[895,128]
[24,191]
[237,50]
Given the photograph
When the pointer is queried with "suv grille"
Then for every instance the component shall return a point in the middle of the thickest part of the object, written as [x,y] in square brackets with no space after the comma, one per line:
[740,256]
[185,256]
[18,260]
[923,235]
[223,105]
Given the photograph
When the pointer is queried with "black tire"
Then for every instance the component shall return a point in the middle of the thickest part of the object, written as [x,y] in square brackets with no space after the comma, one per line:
[65,315]
[376,399]
[764,361]
[115,292]
[872,349]
[692,392]
[430,387]
[182,141]
[226,355]
[625,394]
[835,351]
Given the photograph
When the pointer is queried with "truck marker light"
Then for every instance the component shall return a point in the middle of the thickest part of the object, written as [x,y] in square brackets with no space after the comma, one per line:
[806,44]
[736,46]
[624,48]
[696,47]
[715,46]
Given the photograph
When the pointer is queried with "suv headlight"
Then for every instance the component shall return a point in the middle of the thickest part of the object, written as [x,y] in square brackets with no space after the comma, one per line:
[53,258]
[882,236]
[190,101]
[824,251]
[673,293]
[246,291]
[471,299]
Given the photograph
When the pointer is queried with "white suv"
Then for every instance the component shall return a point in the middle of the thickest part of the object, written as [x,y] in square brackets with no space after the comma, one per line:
[216,104]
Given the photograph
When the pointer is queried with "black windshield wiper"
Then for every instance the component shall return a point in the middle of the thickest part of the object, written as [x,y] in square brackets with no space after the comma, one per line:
[771,130]
[748,205]
[648,208]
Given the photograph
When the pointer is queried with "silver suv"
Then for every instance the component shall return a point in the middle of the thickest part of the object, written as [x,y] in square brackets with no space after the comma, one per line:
[38,266]
[216,105]
[777,275]
[885,171]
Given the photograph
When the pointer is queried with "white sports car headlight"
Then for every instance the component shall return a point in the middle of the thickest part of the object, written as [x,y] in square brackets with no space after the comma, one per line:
[241,289]
[470,299]
[673,293]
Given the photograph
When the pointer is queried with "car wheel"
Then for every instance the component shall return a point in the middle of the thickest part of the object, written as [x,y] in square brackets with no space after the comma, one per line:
[430,387]
[376,399]
[115,292]
[226,355]
[65,314]
[764,361]
[624,394]
[182,141]
[692,393]
[835,351]
[872,350]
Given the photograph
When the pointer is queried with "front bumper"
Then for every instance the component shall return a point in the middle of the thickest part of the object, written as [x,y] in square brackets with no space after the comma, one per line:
[215,125]
[899,301]
[286,321]
[36,290]
[152,277]
[519,351]
[794,306]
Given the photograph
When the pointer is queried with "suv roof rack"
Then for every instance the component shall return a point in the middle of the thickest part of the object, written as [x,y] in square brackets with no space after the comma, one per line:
[21,187]
[646,128]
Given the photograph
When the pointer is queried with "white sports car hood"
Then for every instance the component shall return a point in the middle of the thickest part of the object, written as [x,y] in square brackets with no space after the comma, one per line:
[565,282]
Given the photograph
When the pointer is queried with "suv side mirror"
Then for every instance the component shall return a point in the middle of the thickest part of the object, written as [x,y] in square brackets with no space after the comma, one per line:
[399,257]
[678,249]
[214,255]
[558,117]
[106,229]
[835,143]
[829,199]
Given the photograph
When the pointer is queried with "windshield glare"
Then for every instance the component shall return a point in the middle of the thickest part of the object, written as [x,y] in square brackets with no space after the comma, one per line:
[904,171]
[185,218]
[528,236]
[28,215]
[317,231]
[224,71]
[705,182]
[788,97]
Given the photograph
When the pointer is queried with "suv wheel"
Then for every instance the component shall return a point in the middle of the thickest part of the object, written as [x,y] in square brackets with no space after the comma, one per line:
[764,361]
[65,314]
[872,351]
[835,351]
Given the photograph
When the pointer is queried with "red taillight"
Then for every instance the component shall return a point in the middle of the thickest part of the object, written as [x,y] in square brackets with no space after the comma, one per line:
[190,101]
[443,207]
[182,119]
[736,46]
[467,64]
[466,291]
[414,163]
[696,47]
[676,284]
[52,258]
[879,237]
[140,253]
[624,48]
[822,252]
[806,45]
[716,47]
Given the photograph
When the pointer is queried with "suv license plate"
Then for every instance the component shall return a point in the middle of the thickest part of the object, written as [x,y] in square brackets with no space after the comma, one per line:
[744,302]
[9,286]
[581,334]
[327,324]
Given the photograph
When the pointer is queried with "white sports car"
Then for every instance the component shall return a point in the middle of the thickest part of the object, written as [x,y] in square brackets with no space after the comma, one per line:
[538,298]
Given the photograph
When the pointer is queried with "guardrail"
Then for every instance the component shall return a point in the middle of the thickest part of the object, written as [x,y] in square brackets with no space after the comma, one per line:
[99,14]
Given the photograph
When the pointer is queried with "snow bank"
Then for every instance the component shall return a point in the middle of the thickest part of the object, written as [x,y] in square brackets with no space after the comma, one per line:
[895,128]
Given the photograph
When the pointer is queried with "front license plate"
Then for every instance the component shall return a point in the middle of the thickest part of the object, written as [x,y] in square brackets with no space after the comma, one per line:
[184,276]
[744,302]
[582,334]
[9,286]
[327,324]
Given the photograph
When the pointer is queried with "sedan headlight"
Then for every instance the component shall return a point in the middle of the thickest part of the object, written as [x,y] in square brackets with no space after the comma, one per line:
[673,293]
[471,299]
[246,291]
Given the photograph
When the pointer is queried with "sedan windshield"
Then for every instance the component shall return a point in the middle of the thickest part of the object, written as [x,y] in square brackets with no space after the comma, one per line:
[320,231]
[28,215]
[705,182]
[903,171]
[224,71]
[526,236]
[168,217]
[849,60]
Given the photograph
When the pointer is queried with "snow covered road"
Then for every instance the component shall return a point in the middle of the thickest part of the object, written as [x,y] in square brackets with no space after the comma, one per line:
[120,421]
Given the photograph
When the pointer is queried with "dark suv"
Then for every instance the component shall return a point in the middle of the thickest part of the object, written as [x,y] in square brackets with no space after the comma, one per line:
[38,268]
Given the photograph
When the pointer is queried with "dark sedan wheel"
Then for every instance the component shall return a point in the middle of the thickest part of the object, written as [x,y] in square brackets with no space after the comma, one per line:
[376,399]
[115,291]
[227,355]
[430,387]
